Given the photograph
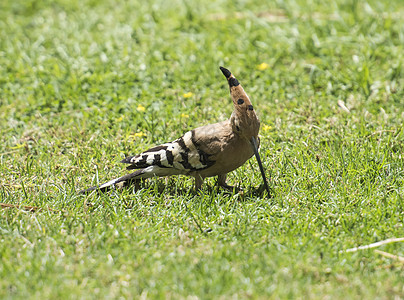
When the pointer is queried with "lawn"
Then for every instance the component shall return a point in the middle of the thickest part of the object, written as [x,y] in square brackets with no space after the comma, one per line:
[84,84]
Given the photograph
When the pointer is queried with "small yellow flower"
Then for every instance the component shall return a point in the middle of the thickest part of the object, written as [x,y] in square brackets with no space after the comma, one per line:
[139,134]
[262,66]
[266,127]
[136,135]
[141,108]
[185,116]
[120,118]
[188,95]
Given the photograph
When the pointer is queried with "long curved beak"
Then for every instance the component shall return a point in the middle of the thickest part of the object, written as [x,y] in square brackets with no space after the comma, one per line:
[257,156]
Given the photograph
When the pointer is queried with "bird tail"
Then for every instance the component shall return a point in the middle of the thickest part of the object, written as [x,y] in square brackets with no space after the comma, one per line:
[124,180]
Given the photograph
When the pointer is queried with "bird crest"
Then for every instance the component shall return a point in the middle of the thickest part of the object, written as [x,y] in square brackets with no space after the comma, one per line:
[244,120]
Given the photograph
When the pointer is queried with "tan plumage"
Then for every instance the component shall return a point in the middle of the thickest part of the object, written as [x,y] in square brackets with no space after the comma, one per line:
[211,150]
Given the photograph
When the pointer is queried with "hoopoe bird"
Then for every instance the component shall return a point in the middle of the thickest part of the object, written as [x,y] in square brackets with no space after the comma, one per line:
[207,151]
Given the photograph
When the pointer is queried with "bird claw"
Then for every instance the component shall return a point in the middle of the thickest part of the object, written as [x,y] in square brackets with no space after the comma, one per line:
[231,188]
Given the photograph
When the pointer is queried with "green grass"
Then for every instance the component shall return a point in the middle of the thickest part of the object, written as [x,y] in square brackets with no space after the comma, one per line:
[72,77]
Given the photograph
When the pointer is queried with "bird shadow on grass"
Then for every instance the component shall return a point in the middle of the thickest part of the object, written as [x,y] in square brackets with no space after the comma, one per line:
[176,188]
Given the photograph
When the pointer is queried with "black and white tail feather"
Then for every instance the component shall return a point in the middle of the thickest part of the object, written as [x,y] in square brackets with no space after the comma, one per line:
[180,157]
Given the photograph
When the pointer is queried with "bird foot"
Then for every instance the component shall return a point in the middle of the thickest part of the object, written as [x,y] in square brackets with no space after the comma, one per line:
[221,181]
[230,188]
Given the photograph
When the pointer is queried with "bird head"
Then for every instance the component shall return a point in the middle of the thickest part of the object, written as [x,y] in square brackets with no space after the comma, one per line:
[244,120]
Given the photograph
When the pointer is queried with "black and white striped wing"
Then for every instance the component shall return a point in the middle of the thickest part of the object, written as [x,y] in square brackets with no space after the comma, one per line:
[183,154]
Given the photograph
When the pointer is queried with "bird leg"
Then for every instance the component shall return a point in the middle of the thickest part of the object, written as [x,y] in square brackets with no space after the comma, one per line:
[198,182]
[221,181]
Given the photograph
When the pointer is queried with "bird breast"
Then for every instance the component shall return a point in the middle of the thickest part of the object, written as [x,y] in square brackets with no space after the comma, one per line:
[226,149]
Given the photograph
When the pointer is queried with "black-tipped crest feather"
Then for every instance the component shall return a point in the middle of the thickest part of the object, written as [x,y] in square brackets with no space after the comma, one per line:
[225,72]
